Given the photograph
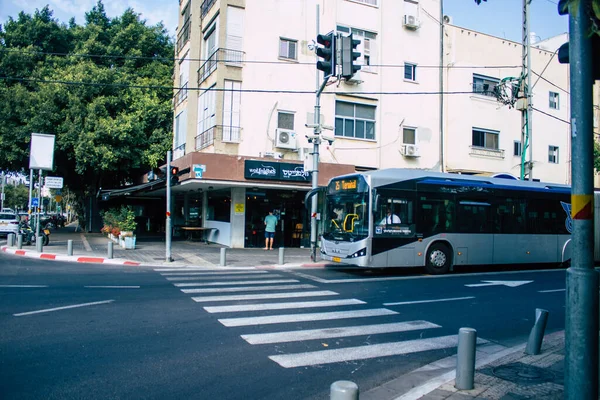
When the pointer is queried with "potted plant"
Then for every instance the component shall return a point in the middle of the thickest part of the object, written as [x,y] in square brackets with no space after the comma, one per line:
[127,224]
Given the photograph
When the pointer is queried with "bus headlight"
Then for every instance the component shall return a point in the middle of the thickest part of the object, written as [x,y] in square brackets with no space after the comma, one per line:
[360,253]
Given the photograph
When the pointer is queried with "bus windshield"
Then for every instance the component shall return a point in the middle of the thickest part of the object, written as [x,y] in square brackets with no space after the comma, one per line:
[347,216]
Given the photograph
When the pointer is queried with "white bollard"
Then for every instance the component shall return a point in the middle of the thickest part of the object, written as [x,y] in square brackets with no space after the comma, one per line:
[10,239]
[465,361]
[223,259]
[110,250]
[69,247]
[536,336]
[281,255]
[39,243]
[343,390]
[19,241]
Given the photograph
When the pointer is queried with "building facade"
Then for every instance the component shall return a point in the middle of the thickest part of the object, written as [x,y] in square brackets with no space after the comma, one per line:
[246,82]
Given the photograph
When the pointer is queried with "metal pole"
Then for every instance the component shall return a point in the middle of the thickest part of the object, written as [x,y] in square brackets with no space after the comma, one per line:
[343,390]
[442,161]
[30,192]
[110,250]
[69,247]
[529,88]
[465,360]
[2,196]
[536,336]
[223,257]
[37,224]
[581,316]
[281,256]
[168,222]
[315,168]
[20,241]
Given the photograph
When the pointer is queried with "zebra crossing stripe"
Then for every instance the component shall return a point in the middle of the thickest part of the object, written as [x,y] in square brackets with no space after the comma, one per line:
[197,278]
[312,334]
[264,296]
[279,319]
[247,289]
[227,283]
[214,273]
[282,306]
[366,352]
[182,269]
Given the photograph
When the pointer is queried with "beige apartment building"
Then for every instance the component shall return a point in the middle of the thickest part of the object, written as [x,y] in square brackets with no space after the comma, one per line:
[246,80]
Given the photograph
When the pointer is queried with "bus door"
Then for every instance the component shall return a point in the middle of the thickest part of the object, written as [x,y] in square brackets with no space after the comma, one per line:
[474,239]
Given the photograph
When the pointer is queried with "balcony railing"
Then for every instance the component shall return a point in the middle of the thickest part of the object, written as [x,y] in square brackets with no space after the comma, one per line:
[206,6]
[184,36]
[181,94]
[482,151]
[225,134]
[206,138]
[179,152]
[230,57]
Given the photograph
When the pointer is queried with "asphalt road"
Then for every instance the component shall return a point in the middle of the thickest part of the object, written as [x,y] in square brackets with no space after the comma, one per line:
[234,335]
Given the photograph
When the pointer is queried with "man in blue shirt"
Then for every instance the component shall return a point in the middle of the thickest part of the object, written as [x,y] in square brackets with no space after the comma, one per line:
[270,223]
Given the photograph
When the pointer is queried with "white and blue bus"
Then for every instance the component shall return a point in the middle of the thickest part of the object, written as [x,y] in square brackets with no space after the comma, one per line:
[414,218]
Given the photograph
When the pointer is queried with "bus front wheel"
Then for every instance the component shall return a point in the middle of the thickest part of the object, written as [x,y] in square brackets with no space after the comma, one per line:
[438,259]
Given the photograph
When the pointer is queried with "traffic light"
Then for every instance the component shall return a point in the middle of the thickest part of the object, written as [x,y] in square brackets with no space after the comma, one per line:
[327,53]
[174,175]
[350,55]
[563,51]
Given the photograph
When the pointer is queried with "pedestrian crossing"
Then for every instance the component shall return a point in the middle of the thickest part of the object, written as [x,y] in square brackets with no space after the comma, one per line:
[263,303]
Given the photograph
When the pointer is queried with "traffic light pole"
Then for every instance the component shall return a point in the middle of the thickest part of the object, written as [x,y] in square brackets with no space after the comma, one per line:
[581,316]
[168,230]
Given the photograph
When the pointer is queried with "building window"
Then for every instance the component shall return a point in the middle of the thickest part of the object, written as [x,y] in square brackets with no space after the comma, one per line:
[484,85]
[409,136]
[206,110]
[287,48]
[232,99]
[517,149]
[553,154]
[285,120]
[553,100]
[354,120]
[367,46]
[180,128]
[485,138]
[410,72]
[184,77]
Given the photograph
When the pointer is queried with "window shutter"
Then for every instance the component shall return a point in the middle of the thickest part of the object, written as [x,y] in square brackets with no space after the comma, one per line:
[235,28]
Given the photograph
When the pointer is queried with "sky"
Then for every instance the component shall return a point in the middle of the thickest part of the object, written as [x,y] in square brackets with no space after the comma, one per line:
[501,18]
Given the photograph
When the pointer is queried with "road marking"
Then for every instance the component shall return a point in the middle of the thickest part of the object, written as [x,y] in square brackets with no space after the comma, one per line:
[366,352]
[283,306]
[551,291]
[227,283]
[22,286]
[264,296]
[280,319]
[499,283]
[427,301]
[196,278]
[312,334]
[112,287]
[247,289]
[214,273]
[179,269]
[63,308]
[85,242]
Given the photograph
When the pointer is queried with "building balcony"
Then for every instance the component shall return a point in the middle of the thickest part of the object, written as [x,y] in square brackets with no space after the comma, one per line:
[181,94]
[225,134]
[184,36]
[230,57]
[179,152]
[485,152]
[206,6]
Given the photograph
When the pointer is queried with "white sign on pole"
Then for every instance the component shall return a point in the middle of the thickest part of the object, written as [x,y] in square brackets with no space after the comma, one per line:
[41,155]
[54,182]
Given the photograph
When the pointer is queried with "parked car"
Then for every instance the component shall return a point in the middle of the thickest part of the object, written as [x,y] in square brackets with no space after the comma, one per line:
[9,223]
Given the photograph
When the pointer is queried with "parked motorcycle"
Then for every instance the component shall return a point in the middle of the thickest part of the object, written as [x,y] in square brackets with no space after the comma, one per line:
[29,234]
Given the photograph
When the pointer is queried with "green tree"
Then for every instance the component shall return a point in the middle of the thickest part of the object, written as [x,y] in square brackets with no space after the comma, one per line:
[597,156]
[103,88]
[17,197]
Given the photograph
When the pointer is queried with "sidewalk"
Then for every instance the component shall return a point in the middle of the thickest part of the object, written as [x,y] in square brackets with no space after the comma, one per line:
[151,251]
[501,373]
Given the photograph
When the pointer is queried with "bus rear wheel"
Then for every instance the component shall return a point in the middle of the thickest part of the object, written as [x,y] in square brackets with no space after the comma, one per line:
[438,259]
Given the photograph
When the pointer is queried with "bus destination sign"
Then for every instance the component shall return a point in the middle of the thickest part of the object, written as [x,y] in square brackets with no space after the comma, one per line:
[345,185]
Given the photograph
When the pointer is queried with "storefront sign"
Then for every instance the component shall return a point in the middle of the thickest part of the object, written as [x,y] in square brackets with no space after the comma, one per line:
[199,169]
[275,171]
[239,208]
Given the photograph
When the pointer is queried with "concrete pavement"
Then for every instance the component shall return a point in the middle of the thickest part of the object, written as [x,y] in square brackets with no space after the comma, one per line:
[501,373]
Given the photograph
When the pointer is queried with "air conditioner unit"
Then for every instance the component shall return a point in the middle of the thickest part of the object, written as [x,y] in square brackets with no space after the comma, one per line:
[410,150]
[411,21]
[285,139]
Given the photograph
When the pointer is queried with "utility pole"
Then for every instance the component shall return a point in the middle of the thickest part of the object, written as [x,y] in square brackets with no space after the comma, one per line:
[581,314]
[526,94]
[168,230]
[2,196]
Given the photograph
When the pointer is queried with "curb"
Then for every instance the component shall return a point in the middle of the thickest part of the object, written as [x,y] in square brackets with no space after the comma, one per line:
[79,259]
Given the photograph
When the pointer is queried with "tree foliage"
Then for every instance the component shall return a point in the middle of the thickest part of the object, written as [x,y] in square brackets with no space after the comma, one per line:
[102,88]
[597,156]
